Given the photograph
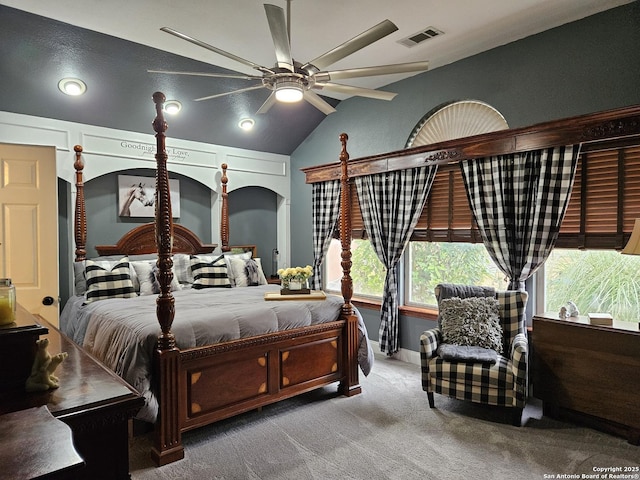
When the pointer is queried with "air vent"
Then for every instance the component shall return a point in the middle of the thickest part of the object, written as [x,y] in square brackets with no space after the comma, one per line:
[421,36]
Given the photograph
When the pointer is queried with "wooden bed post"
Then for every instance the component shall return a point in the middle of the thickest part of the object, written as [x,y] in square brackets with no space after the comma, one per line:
[350,385]
[224,221]
[167,446]
[80,218]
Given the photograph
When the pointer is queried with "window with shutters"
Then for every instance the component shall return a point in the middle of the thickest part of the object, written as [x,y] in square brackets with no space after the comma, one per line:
[446,245]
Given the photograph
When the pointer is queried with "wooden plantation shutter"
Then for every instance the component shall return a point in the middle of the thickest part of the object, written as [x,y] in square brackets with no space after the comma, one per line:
[605,200]
[446,216]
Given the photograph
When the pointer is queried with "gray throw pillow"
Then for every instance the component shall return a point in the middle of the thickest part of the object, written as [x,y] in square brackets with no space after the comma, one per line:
[473,321]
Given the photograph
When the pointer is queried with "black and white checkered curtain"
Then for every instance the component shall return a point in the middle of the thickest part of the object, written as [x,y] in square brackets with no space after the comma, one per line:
[325,198]
[518,202]
[391,204]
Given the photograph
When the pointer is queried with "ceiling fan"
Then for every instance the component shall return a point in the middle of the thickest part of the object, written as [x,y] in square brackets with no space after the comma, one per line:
[292,81]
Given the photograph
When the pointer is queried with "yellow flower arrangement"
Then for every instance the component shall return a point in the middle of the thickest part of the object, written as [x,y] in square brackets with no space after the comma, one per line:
[295,274]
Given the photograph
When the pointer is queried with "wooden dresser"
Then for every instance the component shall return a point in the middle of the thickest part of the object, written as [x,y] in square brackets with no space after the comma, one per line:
[589,373]
[92,400]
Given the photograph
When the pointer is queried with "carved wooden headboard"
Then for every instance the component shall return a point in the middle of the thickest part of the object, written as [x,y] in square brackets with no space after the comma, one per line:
[142,240]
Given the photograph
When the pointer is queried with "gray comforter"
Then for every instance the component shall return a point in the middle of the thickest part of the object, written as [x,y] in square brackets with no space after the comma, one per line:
[122,332]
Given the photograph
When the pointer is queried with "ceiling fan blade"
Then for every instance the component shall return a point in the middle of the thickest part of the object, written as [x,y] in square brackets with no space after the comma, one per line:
[318,102]
[358,91]
[268,103]
[367,37]
[278,28]
[372,71]
[202,44]
[239,76]
[255,87]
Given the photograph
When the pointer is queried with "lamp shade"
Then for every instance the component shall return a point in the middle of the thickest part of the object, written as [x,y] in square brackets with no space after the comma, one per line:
[633,245]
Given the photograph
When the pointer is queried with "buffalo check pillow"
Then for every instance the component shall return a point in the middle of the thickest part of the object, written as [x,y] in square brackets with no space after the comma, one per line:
[209,274]
[105,283]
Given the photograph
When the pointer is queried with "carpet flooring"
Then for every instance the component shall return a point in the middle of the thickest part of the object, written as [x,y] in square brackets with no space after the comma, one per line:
[389,432]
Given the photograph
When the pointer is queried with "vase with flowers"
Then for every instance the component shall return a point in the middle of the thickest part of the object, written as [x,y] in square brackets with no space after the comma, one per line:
[295,280]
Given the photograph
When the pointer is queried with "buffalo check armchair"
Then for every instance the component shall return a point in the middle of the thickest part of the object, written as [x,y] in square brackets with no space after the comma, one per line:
[473,372]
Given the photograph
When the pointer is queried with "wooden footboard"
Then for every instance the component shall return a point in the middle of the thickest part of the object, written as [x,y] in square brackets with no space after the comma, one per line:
[206,384]
[223,380]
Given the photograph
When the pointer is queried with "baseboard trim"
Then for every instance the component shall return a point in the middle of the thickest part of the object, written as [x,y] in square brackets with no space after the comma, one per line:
[404,355]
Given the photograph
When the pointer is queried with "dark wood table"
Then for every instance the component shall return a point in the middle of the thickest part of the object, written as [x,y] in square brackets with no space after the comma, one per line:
[92,400]
[588,373]
[36,445]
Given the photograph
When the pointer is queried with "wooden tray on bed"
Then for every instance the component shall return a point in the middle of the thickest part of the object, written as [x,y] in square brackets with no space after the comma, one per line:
[314,295]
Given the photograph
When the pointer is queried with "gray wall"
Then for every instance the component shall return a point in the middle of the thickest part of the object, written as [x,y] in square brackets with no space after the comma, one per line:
[586,66]
[253,221]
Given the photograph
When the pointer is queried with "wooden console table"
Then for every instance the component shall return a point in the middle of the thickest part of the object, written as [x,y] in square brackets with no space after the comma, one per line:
[589,373]
[35,444]
[92,400]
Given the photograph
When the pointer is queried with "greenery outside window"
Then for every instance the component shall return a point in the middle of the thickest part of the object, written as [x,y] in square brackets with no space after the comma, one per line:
[367,271]
[595,280]
[429,263]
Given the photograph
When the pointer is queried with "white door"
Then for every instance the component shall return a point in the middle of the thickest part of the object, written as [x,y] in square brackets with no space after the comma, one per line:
[29,219]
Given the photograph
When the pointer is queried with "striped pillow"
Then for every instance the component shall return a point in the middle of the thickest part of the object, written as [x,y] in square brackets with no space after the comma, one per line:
[103,283]
[209,274]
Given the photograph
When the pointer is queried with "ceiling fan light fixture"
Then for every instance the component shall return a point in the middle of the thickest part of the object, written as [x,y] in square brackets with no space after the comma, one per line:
[72,86]
[288,91]
[246,124]
[172,107]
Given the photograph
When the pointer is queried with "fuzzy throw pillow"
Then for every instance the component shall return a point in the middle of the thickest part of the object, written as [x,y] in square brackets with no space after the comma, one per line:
[473,321]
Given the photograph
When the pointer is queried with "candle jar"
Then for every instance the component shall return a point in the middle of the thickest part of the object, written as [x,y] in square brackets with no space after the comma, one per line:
[7,301]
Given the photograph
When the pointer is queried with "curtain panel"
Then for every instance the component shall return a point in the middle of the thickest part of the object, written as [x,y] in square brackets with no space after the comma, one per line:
[518,202]
[325,197]
[391,204]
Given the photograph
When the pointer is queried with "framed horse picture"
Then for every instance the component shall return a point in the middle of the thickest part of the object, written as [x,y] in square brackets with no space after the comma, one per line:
[137,195]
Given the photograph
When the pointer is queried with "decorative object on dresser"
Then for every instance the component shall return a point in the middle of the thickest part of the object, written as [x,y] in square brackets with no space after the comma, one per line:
[7,301]
[589,373]
[42,377]
[602,319]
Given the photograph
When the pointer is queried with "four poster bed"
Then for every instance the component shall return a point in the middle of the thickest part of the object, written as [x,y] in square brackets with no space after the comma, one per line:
[260,352]
[194,385]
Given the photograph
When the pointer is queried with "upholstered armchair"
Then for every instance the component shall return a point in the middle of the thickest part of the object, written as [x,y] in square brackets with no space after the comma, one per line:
[490,370]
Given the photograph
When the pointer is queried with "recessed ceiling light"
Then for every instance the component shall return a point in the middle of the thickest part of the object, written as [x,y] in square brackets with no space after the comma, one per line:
[246,123]
[172,107]
[72,86]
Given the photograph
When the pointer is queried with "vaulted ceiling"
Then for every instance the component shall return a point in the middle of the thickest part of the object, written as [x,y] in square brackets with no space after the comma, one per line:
[111,44]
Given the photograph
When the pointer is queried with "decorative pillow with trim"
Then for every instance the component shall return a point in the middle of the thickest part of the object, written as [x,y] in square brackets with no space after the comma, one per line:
[209,274]
[147,273]
[113,283]
[473,321]
[247,272]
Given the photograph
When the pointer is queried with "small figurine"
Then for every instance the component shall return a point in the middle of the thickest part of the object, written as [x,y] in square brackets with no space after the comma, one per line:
[573,309]
[42,377]
[563,313]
